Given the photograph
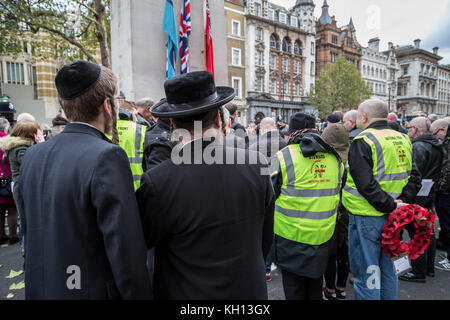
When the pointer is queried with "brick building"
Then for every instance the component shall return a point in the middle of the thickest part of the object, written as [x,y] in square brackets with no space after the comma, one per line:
[333,41]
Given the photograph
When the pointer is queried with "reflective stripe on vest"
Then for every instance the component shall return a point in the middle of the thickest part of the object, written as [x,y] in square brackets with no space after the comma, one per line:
[131,139]
[303,212]
[399,147]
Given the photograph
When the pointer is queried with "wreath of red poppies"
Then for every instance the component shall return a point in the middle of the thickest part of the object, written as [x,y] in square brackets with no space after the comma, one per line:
[398,219]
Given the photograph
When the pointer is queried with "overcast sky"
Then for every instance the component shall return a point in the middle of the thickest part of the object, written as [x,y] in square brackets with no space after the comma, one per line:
[397,21]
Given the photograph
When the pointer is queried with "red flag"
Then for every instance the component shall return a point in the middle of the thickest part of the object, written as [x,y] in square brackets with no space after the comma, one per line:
[208,40]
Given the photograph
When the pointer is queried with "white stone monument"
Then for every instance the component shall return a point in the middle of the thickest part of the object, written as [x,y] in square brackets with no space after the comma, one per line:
[138,44]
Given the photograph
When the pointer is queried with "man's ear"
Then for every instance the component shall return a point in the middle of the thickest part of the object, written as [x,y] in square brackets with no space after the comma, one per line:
[106,107]
[218,120]
[172,123]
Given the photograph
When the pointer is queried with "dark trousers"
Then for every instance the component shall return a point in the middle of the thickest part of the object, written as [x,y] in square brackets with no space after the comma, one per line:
[443,212]
[424,263]
[339,264]
[301,288]
[270,257]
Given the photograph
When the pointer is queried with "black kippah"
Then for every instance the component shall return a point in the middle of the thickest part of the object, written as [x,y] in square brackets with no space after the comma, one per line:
[76,78]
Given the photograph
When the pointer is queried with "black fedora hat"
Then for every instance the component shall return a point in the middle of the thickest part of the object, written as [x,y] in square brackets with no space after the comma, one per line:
[190,94]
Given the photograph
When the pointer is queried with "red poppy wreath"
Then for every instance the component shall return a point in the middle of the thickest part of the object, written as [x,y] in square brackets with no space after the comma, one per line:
[398,219]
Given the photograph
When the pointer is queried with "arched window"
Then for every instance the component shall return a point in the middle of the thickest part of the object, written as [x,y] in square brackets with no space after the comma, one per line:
[274,42]
[286,45]
[298,47]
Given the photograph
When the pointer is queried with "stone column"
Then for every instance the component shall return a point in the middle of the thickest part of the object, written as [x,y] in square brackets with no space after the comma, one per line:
[139,44]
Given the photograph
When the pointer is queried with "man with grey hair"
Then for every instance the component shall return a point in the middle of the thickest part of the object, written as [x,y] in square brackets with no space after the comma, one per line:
[25,117]
[427,156]
[381,178]
[433,117]
[350,124]
[144,116]
[4,125]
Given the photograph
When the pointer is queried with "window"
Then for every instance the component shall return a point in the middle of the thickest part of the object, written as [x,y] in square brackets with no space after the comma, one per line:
[285,64]
[285,87]
[349,42]
[236,57]
[273,42]
[294,22]
[334,39]
[257,9]
[259,58]
[273,62]
[405,70]
[236,28]
[286,45]
[271,14]
[313,47]
[297,89]
[259,84]
[297,48]
[15,73]
[25,47]
[296,66]
[237,86]
[333,56]
[312,68]
[283,18]
[259,34]
[273,86]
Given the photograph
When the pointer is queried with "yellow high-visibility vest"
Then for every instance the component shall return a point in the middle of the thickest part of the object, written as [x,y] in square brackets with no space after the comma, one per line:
[306,209]
[131,139]
[392,165]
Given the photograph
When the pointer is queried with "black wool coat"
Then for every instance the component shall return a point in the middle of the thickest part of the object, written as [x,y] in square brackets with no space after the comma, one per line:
[83,235]
[211,226]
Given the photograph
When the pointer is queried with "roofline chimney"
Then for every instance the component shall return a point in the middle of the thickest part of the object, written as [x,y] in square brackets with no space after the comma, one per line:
[417,43]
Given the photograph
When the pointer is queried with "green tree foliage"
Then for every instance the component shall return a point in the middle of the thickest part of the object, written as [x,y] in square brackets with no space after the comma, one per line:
[339,87]
[73,29]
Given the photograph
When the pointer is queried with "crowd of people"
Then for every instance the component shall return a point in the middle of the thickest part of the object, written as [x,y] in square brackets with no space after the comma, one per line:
[108,210]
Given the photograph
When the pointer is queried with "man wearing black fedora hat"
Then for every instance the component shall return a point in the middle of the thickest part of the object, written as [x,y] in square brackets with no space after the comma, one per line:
[307,176]
[210,221]
[83,235]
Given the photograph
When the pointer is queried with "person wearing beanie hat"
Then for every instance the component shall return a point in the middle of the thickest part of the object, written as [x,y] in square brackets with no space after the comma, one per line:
[76,195]
[307,177]
[334,118]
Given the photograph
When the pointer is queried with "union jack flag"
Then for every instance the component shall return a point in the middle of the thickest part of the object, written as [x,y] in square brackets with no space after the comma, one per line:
[185,32]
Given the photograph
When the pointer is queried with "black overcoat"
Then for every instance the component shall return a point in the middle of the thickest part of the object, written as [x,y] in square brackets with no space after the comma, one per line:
[83,235]
[211,226]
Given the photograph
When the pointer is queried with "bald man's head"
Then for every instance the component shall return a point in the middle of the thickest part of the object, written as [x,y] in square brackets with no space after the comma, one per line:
[370,111]
[266,125]
[392,117]
[417,127]
[439,129]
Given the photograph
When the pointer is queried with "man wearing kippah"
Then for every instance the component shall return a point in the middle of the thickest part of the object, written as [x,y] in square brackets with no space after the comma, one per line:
[83,235]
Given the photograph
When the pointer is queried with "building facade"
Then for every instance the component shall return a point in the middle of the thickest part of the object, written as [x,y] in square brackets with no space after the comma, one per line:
[236,35]
[29,78]
[443,106]
[379,71]
[280,58]
[334,41]
[417,88]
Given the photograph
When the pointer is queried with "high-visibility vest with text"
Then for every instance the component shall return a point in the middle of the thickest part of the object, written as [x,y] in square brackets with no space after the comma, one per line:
[306,209]
[392,164]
